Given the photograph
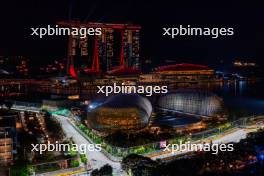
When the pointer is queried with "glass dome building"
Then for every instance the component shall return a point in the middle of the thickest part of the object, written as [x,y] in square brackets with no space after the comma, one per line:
[192,101]
[121,112]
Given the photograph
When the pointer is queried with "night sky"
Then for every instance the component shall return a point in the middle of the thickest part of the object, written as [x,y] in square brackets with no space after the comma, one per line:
[17,17]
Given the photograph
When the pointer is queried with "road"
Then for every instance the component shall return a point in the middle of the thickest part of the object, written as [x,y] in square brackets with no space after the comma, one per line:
[233,136]
[95,158]
[98,159]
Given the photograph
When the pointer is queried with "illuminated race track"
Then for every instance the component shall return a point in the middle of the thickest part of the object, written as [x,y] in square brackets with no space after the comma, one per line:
[234,135]
[97,159]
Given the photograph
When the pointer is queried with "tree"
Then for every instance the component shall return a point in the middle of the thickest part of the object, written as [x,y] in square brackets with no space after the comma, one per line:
[75,163]
[83,158]
[106,170]
[22,170]
[54,127]
[95,172]
[138,165]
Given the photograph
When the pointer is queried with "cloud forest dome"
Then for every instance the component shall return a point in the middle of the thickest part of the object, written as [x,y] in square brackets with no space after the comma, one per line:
[121,112]
[192,101]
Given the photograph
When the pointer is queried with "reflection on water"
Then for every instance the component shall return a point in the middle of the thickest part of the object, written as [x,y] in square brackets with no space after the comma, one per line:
[242,97]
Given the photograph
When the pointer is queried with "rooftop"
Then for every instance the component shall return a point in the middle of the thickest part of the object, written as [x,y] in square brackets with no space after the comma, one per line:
[182,66]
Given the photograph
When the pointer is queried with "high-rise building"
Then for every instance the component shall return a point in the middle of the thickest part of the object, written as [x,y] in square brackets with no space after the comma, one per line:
[118,46]
[131,45]
[7,139]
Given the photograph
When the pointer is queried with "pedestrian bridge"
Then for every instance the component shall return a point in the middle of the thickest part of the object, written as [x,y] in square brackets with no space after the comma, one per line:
[26,106]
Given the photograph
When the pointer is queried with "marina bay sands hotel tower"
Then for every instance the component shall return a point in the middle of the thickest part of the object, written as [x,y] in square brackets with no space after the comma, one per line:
[117,48]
